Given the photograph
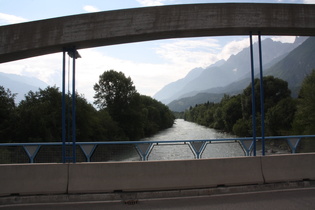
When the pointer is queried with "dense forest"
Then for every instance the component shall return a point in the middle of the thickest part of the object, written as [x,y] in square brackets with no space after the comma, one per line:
[121,114]
[284,115]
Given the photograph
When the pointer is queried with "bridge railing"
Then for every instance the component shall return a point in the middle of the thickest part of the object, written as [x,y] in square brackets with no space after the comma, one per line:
[148,150]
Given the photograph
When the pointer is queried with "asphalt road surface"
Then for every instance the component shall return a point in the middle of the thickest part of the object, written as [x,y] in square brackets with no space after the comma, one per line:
[298,199]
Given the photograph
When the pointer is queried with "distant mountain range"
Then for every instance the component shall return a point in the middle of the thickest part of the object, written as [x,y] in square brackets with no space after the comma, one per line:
[224,73]
[291,62]
[20,84]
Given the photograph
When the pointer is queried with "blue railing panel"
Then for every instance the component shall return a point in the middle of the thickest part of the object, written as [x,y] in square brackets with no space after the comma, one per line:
[122,150]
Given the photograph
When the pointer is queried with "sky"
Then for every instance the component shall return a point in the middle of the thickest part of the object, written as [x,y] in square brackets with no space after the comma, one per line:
[151,65]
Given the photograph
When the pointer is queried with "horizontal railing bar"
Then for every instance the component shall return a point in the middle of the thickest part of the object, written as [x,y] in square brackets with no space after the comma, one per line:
[153,142]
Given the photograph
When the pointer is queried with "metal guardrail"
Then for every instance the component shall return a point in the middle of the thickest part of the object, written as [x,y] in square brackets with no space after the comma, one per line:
[143,148]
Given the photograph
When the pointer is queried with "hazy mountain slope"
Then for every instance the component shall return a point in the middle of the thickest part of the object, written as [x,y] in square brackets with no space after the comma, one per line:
[200,98]
[166,93]
[235,68]
[296,65]
[20,84]
[293,67]
[212,95]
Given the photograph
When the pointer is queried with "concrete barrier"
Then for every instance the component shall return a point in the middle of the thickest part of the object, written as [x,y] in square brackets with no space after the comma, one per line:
[30,179]
[164,175]
[285,168]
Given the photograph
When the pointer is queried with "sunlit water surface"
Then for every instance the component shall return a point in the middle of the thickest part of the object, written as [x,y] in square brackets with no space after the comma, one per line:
[183,130]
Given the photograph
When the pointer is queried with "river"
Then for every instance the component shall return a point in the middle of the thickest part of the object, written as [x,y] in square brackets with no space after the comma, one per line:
[183,130]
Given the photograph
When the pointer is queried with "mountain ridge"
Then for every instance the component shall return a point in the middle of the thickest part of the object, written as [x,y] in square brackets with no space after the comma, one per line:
[292,67]
[235,68]
[20,85]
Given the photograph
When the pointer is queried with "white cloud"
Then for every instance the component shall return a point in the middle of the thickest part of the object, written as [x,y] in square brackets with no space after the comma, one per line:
[297,1]
[181,56]
[6,19]
[200,52]
[309,1]
[46,68]
[190,53]
[148,78]
[234,47]
[89,8]
[283,39]
[151,2]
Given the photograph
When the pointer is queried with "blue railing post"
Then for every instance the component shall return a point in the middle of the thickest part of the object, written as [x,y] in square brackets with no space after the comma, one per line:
[63,124]
[73,108]
[247,146]
[293,143]
[88,150]
[198,147]
[253,94]
[262,100]
[31,151]
[72,52]
[144,150]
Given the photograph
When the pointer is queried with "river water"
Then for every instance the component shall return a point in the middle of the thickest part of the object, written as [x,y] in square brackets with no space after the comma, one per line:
[183,130]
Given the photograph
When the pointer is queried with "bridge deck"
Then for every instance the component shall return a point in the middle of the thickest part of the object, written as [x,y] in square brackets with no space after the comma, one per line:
[30,39]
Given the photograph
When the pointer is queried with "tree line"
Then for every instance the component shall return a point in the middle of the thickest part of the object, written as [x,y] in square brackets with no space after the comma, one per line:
[121,114]
[284,115]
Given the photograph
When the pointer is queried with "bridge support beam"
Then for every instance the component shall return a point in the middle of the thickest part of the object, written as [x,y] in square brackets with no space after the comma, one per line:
[253,93]
[68,145]
[262,98]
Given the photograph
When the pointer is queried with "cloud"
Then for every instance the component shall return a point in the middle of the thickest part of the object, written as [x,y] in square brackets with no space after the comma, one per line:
[189,53]
[6,19]
[309,1]
[199,52]
[234,47]
[283,39]
[89,8]
[148,78]
[151,2]
[179,57]
[46,68]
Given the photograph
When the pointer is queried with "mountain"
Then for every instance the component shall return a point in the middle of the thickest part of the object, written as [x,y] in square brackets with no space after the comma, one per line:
[167,92]
[20,84]
[295,66]
[291,67]
[182,104]
[223,73]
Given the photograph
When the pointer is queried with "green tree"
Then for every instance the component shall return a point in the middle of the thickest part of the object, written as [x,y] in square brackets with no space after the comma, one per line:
[232,111]
[114,90]
[7,115]
[40,116]
[242,127]
[93,125]
[304,122]
[279,118]
[275,90]
[106,129]
[136,115]
[218,119]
